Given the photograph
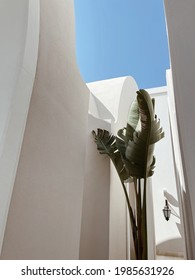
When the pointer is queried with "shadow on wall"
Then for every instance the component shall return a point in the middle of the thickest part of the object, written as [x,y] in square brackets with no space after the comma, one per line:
[186,227]
[171,199]
[176,244]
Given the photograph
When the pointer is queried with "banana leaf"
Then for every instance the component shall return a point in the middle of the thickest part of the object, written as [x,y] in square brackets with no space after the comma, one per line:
[139,155]
[140,145]
[106,144]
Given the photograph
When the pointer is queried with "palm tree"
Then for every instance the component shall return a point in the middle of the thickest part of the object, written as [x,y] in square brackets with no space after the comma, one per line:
[131,152]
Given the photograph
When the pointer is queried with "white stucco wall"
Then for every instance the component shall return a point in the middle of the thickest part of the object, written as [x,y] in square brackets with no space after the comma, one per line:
[181,33]
[19,33]
[94,239]
[169,235]
[44,219]
[13,26]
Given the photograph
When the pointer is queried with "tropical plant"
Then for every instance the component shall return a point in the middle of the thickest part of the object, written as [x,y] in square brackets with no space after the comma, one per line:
[131,152]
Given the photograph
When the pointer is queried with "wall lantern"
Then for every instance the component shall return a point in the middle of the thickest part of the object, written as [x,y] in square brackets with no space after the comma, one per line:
[166,210]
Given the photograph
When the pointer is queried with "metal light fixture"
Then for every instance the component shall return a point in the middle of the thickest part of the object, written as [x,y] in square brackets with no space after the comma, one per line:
[166,210]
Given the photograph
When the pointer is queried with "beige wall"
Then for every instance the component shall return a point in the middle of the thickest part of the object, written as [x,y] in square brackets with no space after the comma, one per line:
[45,213]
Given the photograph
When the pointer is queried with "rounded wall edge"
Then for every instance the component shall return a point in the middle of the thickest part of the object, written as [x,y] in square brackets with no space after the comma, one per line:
[18,113]
[109,106]
[127,96]
[119,236]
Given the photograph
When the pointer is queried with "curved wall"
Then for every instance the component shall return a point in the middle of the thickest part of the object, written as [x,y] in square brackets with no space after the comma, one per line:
[13,26]
[181,33]
[45,213]
[19,32]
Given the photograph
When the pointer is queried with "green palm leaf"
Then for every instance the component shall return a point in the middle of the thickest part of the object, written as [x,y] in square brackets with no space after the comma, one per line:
[140,147]
[132,121]
[106,144]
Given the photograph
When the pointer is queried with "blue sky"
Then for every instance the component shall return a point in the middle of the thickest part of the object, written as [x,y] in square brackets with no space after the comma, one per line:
[116,38]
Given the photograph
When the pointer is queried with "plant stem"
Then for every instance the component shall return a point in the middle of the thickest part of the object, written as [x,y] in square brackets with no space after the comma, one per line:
[131,216]
[139,220]
[132,221]
[144,224]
